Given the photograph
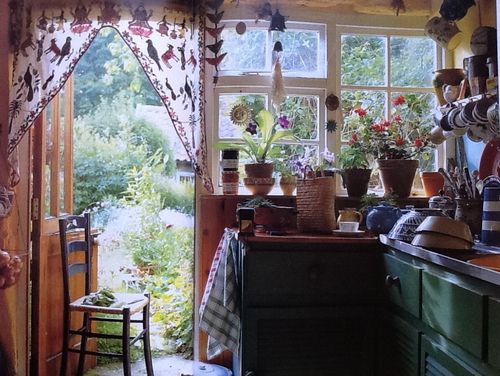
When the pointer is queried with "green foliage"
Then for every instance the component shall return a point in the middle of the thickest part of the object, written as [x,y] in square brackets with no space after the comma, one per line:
[352,157]
[177,195]
[167,250]
[113,345]
[107,69]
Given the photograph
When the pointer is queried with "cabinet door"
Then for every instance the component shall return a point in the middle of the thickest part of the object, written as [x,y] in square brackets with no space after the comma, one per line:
[494,332]
[437,361]
[398,347]
[402,284]
[308,341]
[455,310]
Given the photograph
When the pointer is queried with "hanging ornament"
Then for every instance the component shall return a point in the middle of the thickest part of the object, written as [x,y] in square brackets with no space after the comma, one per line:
[241,27]
[331,126]
[398,5]
[277,22]
[214,31]
[215,48]
[332,102]
[214,4]
[215,17]
[277,85]
[240,115]
[454,10]
[264,12]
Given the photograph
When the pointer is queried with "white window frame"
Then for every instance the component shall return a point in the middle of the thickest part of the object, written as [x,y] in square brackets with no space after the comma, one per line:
[440,157]
[258,82]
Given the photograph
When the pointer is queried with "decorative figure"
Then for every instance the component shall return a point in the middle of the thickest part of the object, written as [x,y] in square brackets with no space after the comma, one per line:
[163,26]
[182,50]
[454,10]
[214,4]
[188,93]
[27,43]
[48,80]
[215,61]
[332,102]
[214,31]
[215,17]
[39,44]
[192,60]
[54,48]
[169,87]
[398,5]
[215,48]
[109,15]
[331,126]
[168,55]
[182,31]
[153,53]
[28,78]
[60,20]
[240,28]
[81,22]
[42,21]
[139,24]
[277,22]
[65,50]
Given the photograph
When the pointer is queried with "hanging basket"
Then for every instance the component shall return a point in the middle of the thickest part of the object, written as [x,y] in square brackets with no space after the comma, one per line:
[316,204]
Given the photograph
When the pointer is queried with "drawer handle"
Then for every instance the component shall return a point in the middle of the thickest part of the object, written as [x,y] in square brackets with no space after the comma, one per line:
[391,280]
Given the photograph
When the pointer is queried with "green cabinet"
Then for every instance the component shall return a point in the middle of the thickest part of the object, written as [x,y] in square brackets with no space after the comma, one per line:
[494,332]
[402,284]
[436,360]
[309,309]
[455,310]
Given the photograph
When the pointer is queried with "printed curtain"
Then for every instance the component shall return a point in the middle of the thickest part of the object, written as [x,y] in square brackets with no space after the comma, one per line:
[51,36]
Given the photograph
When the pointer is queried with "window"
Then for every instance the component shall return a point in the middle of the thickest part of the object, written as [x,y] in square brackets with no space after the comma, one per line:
[245,77]
[377,65]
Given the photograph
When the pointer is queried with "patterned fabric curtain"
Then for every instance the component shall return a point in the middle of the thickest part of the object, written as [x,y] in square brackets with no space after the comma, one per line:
[163,35]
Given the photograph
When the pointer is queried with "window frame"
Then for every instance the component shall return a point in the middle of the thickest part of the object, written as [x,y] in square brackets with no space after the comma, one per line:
[386,88]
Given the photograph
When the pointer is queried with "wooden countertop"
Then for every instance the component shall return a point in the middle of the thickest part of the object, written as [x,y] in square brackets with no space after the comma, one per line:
[302,238]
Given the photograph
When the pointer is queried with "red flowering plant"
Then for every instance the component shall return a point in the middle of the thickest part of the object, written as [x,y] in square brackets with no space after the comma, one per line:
[403,136]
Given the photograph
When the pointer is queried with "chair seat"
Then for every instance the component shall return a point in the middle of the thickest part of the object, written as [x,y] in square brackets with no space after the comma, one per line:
[136,302]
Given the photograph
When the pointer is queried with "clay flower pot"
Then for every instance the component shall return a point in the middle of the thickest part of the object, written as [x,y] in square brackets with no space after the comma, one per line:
[397,176]
[356,180]
[432,181]
[288,185]
[259,170]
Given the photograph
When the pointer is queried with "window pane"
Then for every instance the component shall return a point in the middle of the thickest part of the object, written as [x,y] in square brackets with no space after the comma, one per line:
[412,61]
[227,129]
[246,52]
[303,112]
[363,60]
[371,101]
[300,50]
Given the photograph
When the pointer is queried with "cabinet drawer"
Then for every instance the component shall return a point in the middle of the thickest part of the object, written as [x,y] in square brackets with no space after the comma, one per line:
[277,278]
[402,284]
[494,332]
[456,311]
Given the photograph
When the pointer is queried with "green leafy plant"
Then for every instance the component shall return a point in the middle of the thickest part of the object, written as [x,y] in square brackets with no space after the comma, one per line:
[352,157]
[260,136]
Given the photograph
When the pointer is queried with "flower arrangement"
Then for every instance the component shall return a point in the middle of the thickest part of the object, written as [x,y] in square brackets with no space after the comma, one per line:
[403,136]
[260,134]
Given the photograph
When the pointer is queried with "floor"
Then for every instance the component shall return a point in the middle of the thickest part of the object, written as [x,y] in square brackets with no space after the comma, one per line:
[171,365]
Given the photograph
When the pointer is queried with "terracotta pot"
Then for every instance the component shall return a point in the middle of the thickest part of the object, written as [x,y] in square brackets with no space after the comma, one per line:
[288,185]
[397,176]
[432,181]
[230,182]
[259,170]
[259,186]
[356,180]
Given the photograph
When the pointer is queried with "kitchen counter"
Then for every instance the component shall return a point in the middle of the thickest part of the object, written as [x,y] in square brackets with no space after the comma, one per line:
[302,238]
[453,260]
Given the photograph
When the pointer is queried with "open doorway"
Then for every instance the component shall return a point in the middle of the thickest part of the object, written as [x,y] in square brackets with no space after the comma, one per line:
[134,177]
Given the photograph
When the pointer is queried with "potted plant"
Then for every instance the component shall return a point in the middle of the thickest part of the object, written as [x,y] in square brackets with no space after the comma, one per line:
[259,138]
[396,143]
[288,170]
[354,168]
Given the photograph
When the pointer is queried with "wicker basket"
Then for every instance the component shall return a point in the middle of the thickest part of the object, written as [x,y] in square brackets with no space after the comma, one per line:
[316,204]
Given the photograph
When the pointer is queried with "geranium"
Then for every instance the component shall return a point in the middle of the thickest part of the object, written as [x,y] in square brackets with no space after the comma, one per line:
[260,134]
[403,136]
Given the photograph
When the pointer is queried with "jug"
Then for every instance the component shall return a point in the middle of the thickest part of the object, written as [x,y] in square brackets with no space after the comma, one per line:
[381,218]
[349,215]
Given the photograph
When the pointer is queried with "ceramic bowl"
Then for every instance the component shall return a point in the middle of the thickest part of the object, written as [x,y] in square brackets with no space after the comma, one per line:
[437,241]
[404,228]
[446,226]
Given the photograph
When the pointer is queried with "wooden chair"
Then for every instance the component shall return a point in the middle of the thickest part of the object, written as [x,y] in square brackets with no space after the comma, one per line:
[76,262]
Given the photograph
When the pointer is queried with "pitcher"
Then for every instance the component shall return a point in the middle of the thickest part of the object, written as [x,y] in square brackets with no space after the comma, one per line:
[349,215]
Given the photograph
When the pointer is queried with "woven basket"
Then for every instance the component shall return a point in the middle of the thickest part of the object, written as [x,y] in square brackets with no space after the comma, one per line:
[316,204]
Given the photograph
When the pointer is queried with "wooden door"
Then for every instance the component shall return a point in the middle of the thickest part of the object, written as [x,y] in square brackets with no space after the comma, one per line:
[52,197]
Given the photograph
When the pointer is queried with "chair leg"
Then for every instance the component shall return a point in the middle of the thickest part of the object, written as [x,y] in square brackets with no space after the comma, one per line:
[83,343]
[126,342]
[146,341]
[64,355]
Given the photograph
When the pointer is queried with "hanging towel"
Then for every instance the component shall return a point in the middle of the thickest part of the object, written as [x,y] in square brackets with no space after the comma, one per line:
[220,310]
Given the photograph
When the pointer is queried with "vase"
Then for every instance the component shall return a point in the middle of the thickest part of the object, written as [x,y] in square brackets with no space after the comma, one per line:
[397,176]
[449,76]
[432,181]
[356,180]
[288,185]
[259,180]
